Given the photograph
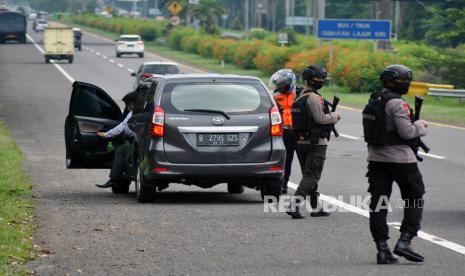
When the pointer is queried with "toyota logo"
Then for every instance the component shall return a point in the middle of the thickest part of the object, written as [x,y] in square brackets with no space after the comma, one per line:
[218,121]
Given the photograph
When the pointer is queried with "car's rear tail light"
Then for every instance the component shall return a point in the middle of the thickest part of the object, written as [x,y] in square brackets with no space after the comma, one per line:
[140,43]
[158,122]
[276,169]
[159,169]
[146,75]
[276,123]
[120,43]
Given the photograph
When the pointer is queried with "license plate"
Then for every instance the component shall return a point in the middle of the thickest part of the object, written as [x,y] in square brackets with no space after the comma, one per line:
[220,139]
[130,45]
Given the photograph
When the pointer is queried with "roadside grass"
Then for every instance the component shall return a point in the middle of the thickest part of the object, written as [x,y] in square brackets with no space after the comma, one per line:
[445,110]
[16,209]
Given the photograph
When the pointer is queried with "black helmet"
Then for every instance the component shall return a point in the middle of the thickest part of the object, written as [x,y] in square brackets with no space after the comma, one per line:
[396,71]
[314,71]
[130,97]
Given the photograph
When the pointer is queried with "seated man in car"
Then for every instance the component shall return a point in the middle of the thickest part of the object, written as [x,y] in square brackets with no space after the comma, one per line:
[122,153]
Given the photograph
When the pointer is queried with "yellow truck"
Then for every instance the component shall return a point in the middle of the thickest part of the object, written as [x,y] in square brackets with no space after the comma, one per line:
[58,43]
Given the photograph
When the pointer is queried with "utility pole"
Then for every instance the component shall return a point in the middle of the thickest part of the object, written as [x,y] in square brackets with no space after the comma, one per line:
[246,17]
[308,14]
[398,17]
[383,11]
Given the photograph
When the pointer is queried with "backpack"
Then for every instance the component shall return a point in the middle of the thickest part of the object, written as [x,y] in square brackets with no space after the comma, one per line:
[300,120]
[374,119]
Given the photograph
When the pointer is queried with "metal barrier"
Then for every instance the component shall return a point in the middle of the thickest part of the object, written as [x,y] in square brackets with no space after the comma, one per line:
[455,93]
[421,88]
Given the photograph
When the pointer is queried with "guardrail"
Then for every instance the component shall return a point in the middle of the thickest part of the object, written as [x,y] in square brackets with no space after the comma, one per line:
[421,88]
[455,93]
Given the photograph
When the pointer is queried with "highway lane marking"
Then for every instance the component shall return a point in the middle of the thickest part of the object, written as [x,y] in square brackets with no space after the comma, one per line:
[98,54]
[130,70]
[53,62]
[104,57]
[349,136]
[435,239]
[87,48]
[365,213]
[112,61]
[430,155]
[92,50]
[120,65]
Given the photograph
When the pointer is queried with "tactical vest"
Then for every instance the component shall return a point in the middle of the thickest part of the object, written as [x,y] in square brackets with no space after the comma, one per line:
[374,122]
[285,102]
[304,125]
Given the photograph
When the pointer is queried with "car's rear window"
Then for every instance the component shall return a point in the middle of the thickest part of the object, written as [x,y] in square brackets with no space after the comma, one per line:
[129,38]
[161,69]
[42,21]
[238,98]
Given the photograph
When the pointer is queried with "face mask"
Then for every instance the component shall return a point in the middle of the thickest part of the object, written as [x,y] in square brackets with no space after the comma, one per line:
[317,84]
[401,87]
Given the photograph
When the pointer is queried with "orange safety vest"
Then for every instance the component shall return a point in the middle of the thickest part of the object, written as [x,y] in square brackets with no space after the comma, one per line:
[286,101]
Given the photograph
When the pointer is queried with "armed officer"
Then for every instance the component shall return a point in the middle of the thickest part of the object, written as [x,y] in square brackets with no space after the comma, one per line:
[284,81]
[391,158]
[312,122]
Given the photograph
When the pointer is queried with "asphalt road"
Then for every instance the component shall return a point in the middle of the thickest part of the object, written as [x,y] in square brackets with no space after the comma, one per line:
[90,231]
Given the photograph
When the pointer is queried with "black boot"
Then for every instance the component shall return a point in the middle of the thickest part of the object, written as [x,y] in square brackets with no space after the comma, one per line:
[319,213]
[110,183]
[384,255]
[294,211]
[403,248]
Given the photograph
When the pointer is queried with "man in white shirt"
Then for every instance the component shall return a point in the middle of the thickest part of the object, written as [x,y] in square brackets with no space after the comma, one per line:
[122,153]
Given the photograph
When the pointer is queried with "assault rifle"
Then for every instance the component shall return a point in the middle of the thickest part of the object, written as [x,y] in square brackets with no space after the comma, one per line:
[416,117]
[333,109]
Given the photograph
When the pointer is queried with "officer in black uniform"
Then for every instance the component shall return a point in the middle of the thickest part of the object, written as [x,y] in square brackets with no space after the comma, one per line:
[391,158]
[312,122]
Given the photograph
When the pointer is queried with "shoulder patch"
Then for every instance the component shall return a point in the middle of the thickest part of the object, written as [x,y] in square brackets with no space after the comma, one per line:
[321,100]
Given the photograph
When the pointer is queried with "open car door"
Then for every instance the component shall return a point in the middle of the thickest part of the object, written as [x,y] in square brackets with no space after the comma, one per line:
[90,110]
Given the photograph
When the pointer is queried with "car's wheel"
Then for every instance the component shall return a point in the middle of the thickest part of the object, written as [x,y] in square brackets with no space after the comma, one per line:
[271,187]
[121,188]
[80,48]
[118,55]
[47,60]
[141,55]
[144,191]
[234,188]
[70,60]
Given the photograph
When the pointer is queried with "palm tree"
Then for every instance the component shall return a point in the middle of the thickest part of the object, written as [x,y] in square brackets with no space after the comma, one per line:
[208,12]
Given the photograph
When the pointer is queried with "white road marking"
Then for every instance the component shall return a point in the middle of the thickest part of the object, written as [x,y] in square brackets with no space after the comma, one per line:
[87,48]
[348,136]
[92,50]
[430,155]
[104,57]
[98,54]
[56,65]
[110,60]
[130,70]
[365,213]
[120,65]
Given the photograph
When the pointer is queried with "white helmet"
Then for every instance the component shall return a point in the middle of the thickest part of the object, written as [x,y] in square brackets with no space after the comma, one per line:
[283,80]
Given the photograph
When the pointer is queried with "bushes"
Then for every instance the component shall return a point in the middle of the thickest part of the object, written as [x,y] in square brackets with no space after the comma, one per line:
[246,52]
[271,58]
[177,34]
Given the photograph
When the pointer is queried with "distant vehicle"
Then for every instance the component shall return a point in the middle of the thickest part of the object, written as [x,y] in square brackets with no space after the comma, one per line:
[3,9]
[32,16]
[12,26]
[58,43]
[191,129]
[41,25]
[43,15]
[154,68]
[129,44]
[77,38]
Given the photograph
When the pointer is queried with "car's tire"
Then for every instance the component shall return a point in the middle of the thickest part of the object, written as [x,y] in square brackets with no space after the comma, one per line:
[271,187]
[141,55]
[47,60]
[234,188]
[145,193]
[80,48]
[121,188]
[118,55]
[70,60]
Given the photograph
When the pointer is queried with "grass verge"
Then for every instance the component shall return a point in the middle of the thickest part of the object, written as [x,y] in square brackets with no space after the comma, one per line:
[16,209]
[444,110]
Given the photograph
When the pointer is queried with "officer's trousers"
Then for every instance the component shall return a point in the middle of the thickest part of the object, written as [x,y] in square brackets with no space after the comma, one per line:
[290,143]
[409,179]
[312,159]
[121,162]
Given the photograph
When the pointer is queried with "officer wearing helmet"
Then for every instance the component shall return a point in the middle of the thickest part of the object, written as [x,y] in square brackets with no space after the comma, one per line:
[312,122]
[284,82]
[391,158]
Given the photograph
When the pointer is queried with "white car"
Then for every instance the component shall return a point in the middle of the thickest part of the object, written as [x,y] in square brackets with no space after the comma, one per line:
[153,68]
[41,25]
[129,44]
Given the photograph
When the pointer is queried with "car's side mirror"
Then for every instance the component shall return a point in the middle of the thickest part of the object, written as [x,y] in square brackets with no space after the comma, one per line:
[133,74]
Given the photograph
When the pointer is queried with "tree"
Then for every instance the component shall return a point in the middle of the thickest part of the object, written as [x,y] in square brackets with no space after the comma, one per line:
[208,12]
[446,23]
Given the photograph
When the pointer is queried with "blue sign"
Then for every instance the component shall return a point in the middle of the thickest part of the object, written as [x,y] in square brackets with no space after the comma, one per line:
[354,29]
